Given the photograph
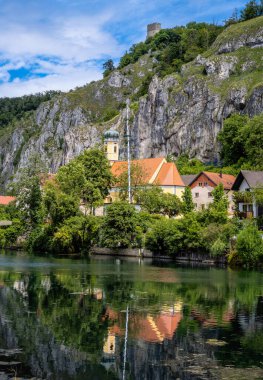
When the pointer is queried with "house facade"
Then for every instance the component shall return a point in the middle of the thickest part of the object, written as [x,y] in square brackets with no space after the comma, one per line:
[244,184]
[204,183]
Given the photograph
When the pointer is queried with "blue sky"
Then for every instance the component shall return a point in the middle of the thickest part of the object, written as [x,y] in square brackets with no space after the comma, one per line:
[61,44]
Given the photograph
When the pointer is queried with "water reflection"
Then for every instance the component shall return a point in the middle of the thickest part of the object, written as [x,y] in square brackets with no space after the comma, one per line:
[67,321]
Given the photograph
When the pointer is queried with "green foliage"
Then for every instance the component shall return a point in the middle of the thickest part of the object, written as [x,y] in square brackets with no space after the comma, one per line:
[88,177]
[249,245]
[120,228]
[169,236]
[15,108]
[189,166]
[217,212]
[174,46]
[97,170]
[242,141]
[58,205]
[108,67]
[218,248]
[76,234]
[155,201]
[40,239]
[230,137]
[188,204]
[252,9]
[253,140]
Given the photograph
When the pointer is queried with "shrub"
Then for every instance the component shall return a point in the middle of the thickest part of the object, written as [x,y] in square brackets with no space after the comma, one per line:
[170,236]
[120,227]
[249,246]
[218,248]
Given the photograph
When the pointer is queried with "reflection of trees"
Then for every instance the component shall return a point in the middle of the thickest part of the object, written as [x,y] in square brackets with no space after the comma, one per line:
[217,304]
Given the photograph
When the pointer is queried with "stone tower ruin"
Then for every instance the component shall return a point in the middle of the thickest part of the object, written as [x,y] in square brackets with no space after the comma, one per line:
[152,29]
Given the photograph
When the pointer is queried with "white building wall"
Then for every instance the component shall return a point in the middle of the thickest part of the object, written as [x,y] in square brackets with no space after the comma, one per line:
[205,198]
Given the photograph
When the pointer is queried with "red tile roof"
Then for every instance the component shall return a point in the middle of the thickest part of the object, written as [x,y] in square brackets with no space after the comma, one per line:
[166,172]
[227,180]
[169,176]
[5,200]
[149,166]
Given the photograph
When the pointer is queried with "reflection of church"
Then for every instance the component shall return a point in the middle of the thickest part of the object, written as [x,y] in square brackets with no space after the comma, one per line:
[150,327]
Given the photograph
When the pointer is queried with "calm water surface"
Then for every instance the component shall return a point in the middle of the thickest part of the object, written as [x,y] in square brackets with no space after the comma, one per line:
[63,319]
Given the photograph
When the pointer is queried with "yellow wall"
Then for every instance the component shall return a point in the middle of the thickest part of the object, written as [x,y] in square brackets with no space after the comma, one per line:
[112,150]
[175,190]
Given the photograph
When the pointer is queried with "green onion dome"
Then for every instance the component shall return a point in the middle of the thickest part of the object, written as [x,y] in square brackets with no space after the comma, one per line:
[111,135]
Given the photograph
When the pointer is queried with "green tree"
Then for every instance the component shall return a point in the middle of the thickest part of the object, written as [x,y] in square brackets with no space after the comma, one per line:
[231,139]
[249,245]
[138,181]
[58,205]
[217,212]
[150,199]
[170,205]
[77,233]
[97,170]
[251,10]
[120,227]
[252,135]
[188,204]
[27,190]
[88,176]
[108,67]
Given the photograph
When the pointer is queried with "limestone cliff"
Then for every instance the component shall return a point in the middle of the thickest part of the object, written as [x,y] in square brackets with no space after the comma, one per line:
[181,113]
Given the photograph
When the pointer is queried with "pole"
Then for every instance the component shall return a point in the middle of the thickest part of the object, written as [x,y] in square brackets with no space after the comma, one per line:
[128,151]
[125,343]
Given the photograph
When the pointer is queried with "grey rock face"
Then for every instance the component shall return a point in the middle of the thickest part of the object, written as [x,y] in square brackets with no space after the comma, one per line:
[181,113]
[252,39]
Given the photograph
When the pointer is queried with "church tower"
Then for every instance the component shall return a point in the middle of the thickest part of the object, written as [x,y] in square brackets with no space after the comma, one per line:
[111,145]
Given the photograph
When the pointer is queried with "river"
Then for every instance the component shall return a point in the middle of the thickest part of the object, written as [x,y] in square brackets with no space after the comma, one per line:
[74,319]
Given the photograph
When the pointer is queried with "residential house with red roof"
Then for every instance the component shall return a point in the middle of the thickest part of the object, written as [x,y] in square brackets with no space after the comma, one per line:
[204,183]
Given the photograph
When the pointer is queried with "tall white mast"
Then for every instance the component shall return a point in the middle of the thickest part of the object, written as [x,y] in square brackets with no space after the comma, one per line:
[128,150]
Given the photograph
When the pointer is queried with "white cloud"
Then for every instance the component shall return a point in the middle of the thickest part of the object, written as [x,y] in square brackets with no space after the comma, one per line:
[62,39]
[64,79]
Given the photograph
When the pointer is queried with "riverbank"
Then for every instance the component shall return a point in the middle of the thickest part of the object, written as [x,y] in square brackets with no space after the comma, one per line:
[145,253]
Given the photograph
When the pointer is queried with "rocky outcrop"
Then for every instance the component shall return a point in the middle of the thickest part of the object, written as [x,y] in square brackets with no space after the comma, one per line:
[181,113]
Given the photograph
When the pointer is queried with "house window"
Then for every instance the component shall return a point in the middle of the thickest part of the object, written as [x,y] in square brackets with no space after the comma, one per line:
[250,208]
[195,205]
[205,184]
[196,195]
[202,206]
[200,184]
[209,195]
[244,208]
[115,149]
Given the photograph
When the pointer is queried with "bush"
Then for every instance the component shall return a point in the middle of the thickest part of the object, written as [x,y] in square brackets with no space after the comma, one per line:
[218,248]
[249,245]
[120,227]
[170,236]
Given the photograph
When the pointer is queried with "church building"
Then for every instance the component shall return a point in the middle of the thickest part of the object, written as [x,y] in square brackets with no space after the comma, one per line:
[154,171]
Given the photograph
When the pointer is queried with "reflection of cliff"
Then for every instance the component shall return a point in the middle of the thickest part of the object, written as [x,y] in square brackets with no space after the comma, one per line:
[46,358]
